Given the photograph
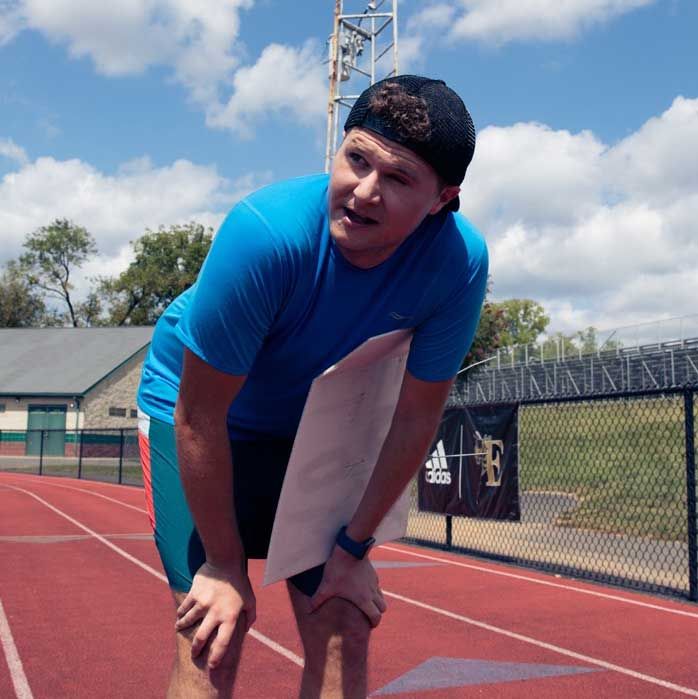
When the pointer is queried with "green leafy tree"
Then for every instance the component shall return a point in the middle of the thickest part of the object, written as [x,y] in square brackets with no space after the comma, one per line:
[587,340]
[20,305]
[90,310]
[52,255]
[525,321]
[558,345]
[490,330]
[584,341]
[166,263]
[506,323]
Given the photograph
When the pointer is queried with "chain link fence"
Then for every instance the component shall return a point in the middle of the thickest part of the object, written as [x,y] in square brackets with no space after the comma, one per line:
[607,488]
[104,455]
[607,492]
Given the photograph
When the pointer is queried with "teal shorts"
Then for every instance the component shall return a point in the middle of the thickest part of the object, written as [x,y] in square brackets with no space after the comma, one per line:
[258,474]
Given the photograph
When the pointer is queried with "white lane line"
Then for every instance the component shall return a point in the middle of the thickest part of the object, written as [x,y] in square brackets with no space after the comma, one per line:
[290,655]
[92,492]
[52,479]
[19,679]
[255,634]
[99,537]
[548,646]
[548,583]
[62,538]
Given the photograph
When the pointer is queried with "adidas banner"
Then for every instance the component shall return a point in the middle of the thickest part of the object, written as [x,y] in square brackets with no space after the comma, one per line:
[473,466]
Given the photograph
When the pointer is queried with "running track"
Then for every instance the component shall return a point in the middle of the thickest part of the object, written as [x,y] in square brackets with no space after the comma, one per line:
[85,612]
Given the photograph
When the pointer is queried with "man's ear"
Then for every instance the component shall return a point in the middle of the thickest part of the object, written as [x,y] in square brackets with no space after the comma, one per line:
[448,193]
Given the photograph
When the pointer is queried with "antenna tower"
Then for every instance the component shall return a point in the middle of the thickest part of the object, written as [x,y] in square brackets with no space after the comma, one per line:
[362,50]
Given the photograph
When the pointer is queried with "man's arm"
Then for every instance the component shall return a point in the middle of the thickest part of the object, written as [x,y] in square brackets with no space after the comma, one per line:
[203,450]
[220,591]
[412,430]
[416,419]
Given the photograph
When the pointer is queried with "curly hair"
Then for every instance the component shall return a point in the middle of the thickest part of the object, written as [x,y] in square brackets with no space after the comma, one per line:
[405,113]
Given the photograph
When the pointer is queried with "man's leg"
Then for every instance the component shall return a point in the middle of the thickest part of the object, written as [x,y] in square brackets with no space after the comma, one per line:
[191,678]
[182,554]
[335,640]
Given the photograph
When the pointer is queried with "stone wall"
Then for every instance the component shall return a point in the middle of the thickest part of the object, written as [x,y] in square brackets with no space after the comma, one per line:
[118,391]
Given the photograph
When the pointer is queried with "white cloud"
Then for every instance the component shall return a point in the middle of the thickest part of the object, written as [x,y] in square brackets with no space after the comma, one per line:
[117,208]
[658,162]
[122,37]
[423,29]
[411,57]
[552,166]
[501,21]
[11,21]
[198,41]
[286,80]
[9,149]
[601,235]
[508,20]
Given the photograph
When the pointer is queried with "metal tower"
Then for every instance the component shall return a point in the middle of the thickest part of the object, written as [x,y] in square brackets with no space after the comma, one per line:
[362,50]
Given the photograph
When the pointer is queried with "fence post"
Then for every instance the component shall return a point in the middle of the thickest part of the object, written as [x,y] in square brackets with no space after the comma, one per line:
[691,495]
[82,432]
[449,532]
[41,452]
[121,453]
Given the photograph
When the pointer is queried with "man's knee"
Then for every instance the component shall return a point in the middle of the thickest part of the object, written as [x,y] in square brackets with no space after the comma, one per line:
[186,662]
[197,667]
[343,631]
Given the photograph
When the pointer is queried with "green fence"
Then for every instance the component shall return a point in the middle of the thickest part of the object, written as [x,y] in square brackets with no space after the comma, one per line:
[104,455]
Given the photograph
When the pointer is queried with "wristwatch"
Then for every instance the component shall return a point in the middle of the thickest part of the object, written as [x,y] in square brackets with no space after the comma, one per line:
[358,549]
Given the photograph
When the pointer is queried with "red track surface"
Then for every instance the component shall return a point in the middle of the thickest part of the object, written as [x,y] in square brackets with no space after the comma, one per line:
[86,621]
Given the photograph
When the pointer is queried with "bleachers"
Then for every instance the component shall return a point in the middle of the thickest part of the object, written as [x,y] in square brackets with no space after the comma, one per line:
[649,366]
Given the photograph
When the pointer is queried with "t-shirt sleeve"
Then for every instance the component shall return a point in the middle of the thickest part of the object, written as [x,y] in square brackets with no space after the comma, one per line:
[441,341]
[237,294]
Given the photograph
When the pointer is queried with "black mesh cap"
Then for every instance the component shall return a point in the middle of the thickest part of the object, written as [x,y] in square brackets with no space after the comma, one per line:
[449,143]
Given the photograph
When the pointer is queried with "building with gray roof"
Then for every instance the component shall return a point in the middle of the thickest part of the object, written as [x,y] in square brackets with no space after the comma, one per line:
[70,378]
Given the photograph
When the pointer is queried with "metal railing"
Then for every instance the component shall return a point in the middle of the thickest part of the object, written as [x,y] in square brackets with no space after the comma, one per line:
[607,492]
[95,454]
[605,372]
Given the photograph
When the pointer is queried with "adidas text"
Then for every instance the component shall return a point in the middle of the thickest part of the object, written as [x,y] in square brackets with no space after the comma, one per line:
[437,472]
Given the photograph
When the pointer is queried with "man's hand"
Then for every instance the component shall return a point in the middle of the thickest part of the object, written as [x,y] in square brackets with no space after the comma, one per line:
[218,598]
[353,580]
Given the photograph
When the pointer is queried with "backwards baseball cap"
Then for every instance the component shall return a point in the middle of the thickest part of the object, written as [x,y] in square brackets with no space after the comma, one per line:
[448,142]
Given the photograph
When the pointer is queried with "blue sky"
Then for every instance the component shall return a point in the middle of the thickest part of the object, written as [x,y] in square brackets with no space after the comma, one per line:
[147,112]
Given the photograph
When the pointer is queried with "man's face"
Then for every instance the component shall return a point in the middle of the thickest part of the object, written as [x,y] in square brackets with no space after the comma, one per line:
[379,193]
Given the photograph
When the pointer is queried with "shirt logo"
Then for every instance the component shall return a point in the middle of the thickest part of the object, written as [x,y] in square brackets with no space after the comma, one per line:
[396,316]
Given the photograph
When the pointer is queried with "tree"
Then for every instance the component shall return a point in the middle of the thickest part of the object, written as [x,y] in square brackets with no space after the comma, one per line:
[558,346]
[167,262]
[525,320]
[490,330]
[90,310]
[506,323]
[52,254]
[20,305]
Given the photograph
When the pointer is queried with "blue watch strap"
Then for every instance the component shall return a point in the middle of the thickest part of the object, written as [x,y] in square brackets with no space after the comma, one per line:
[358,549]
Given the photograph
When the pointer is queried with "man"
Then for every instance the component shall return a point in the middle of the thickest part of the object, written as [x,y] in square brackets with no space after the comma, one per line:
[299,274]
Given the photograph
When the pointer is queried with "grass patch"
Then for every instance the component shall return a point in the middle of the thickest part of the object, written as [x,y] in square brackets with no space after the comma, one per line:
[624,460]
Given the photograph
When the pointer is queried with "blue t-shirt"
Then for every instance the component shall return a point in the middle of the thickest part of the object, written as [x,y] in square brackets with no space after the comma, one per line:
[276,300]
